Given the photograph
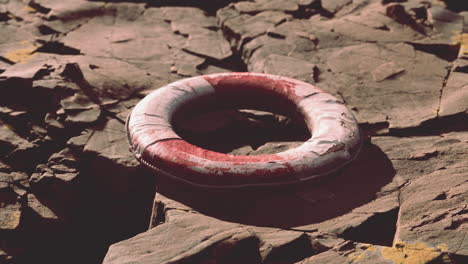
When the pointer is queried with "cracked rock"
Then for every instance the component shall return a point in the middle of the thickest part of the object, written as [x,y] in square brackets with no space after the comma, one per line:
[67,17]
[431,204]
[333,6]
[436,214]
[61,166]
[243,28]
[110,142]
[366,253]
[385,71]
[102,81]
[180,234]
[260,6]
[39,208]
[77,102]
[19,47]
[287,66]
[186,64]
[403,95]
[25,70]
[190,15]
[454,95]
[411,161]
[371,24]
[84,116]
[10,207]
[208,43]
[445,23]
[16,150]
[215,240]
[79,109]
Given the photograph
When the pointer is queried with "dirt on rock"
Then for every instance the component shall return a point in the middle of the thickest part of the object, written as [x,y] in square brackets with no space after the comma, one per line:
[71,191]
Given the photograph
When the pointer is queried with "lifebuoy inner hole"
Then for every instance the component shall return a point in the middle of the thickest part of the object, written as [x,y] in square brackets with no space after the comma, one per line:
[225,121]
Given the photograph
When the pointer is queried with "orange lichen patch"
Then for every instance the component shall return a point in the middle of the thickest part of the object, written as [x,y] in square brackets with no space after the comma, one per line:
[21,54]
[418,253]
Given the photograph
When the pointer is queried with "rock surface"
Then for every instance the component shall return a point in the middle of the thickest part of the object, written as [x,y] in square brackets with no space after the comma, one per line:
[70,73]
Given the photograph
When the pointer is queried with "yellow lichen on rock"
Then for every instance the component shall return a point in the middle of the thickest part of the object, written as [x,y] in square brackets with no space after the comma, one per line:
[21,54]
[442,247]
[460,38]
[358,256]
[463,44]
[371,248]
[419,253]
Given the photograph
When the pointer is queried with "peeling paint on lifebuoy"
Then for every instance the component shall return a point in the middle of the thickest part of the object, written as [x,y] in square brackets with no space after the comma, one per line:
[335,139]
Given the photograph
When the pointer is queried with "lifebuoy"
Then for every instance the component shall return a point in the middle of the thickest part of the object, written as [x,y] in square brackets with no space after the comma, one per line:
[335,139]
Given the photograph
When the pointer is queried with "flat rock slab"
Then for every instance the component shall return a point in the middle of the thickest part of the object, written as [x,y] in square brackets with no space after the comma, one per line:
[392,68]
[110,142]
[196,238]
[424,206]
[366,253]
[454,94]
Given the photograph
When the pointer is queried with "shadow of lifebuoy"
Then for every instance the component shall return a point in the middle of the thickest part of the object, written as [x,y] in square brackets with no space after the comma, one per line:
[291,206]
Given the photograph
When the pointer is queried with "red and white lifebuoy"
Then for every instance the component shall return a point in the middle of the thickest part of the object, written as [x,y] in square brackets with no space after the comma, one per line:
[335,139]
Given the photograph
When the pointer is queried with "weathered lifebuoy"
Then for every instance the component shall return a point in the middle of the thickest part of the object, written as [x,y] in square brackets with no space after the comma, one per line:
[335,139]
